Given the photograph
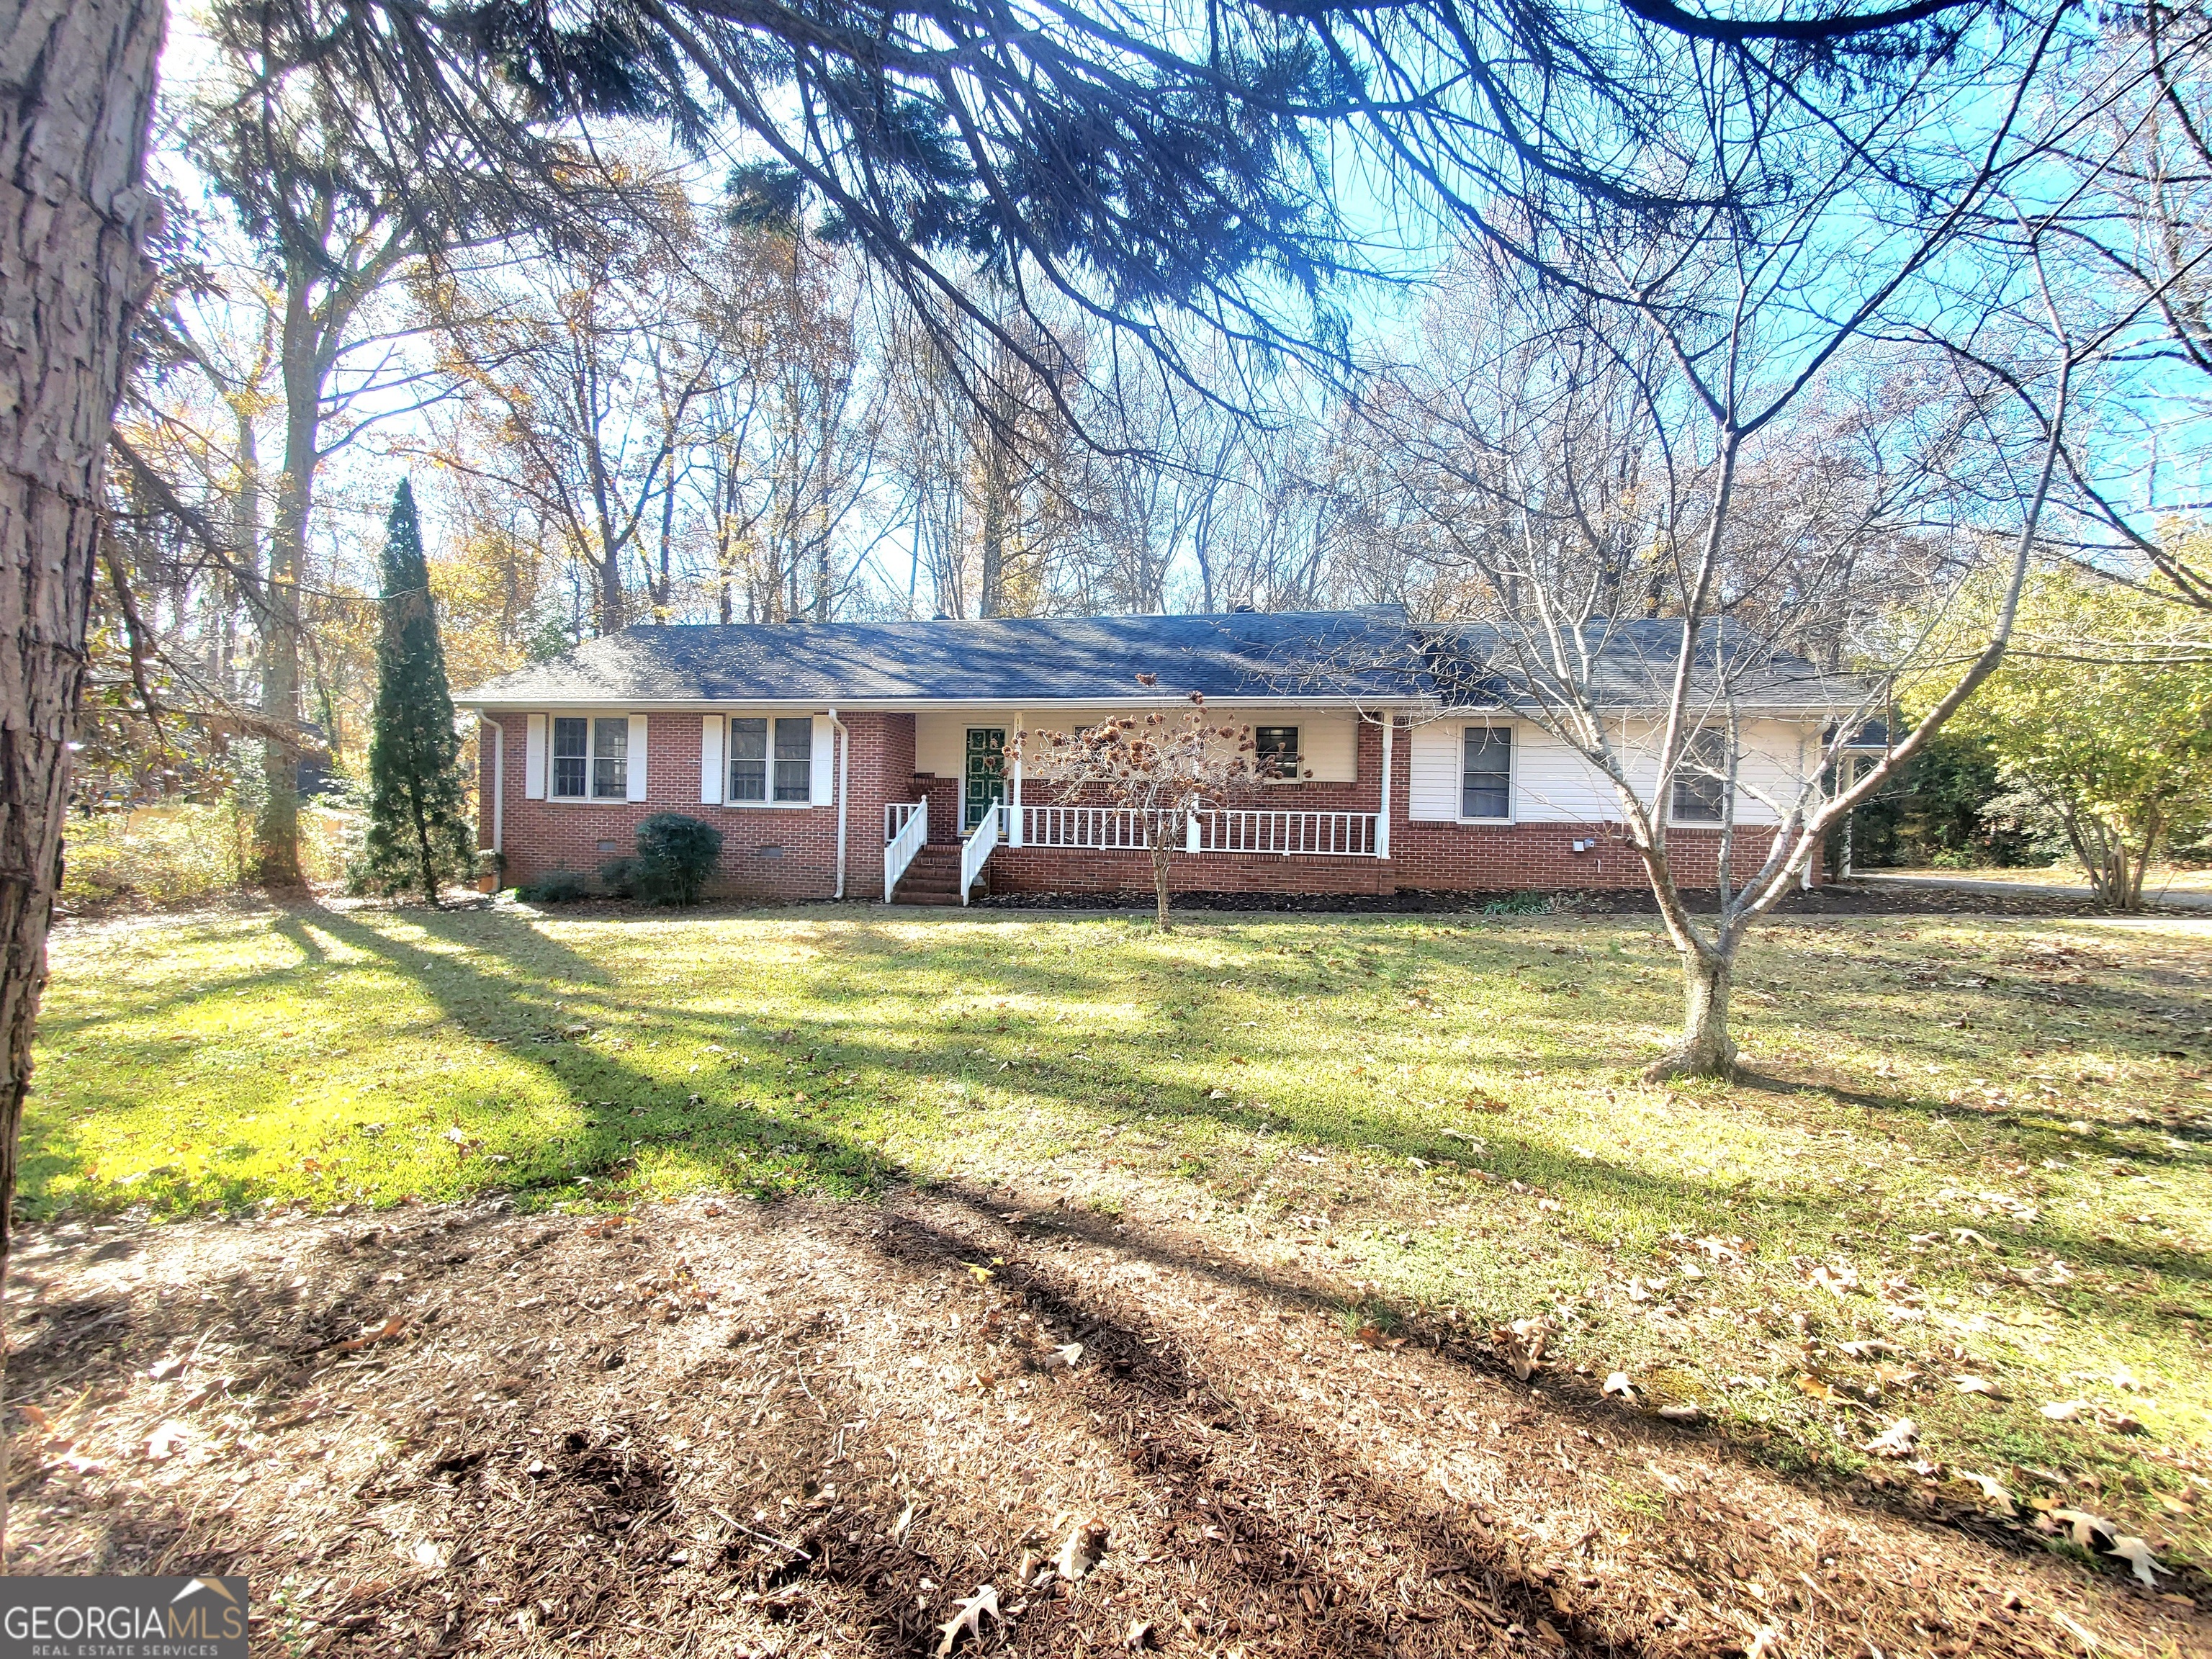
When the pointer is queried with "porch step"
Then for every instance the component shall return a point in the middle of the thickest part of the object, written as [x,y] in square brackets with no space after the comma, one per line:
[933,878]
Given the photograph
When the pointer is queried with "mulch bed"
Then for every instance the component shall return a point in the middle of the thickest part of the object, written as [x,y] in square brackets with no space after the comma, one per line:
[718,1428]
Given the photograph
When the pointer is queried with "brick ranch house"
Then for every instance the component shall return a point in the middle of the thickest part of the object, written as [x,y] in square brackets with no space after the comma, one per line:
[871,760]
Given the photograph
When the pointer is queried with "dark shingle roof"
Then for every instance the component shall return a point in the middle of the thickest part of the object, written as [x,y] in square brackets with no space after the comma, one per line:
[1633,664]
[1347,654]
[1369,655]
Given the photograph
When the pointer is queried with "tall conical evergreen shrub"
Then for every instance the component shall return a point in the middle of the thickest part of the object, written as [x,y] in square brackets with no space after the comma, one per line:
[419,835]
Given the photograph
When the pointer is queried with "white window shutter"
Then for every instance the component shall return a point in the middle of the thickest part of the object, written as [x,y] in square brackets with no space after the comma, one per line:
[533,760]
[710,760]
[637,758]
[824,754]
[1432,772]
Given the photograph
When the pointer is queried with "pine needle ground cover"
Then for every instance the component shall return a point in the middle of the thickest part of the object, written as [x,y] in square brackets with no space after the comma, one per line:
[1972,1149]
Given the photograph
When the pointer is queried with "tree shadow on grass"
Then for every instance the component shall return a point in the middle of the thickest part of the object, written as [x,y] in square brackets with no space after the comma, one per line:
[1574,1402]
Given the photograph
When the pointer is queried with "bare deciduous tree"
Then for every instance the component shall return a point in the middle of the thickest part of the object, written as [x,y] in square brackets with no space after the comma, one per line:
[1158,769]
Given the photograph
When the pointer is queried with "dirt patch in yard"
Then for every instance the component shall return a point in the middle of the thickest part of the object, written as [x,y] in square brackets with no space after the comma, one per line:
[724,1428]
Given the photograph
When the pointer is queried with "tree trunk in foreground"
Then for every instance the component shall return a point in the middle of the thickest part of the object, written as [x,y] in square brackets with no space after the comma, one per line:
[76,88]
[1706,1048]
[1161,852]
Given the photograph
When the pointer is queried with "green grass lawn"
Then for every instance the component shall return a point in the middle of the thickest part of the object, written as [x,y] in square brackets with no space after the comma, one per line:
[1975,1147]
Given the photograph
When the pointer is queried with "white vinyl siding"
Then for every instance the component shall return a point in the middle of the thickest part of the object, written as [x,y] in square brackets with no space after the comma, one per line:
[1328,745]
[1328,741]
[1554,784]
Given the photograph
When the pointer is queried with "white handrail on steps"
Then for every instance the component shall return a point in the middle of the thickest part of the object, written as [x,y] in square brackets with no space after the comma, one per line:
[977,848]
[906,827]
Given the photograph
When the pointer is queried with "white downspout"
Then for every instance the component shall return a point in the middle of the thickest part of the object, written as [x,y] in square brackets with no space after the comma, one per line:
[844,804]
[1382,818]
[498,731]
[1014,816]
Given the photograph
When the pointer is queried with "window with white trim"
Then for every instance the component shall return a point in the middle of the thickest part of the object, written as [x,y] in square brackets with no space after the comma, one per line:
[795,760]
[572,742]
[591,758]
[611,756]
[748,761]
[771,762]
[1701,778]
[1275,753]
[1486,783]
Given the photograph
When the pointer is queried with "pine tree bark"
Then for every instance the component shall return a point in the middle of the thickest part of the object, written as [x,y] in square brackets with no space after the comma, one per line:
[76,88]
[276,833]
[997,473]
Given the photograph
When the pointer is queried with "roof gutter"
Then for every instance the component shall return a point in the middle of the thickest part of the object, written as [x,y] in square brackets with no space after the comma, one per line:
[844,801]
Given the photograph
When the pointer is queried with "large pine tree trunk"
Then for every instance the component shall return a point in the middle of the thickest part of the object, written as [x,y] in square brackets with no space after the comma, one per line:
[276,836]
[76,88]
[996,475]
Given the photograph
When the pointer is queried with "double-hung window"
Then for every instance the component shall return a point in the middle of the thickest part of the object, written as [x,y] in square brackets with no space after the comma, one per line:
[1276,752]
[748,760]
[572,743]
[591,758]
[770,761]
[1701,778]
[611,756]
[1486,774]
[794,759]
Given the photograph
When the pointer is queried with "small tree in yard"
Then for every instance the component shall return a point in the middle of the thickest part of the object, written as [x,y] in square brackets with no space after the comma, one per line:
[1161,768]
[419,835]
[2103,715]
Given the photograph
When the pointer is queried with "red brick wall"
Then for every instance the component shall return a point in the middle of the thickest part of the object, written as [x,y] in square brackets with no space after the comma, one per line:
[544,835]
[562,835]
[882,772]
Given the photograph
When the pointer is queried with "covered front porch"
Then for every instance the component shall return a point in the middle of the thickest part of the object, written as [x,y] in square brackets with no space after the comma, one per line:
[939,846]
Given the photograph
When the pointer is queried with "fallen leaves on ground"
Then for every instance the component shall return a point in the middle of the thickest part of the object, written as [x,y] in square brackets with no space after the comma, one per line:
[969,1617]
[384,1332]
[2136,1554]
[1085,1548]
[1896,1440]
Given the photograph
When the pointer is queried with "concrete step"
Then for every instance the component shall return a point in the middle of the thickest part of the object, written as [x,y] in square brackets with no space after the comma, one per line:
[907,894]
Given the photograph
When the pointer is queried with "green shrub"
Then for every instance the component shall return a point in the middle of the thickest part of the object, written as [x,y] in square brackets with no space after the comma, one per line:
[555,887]
[1520,904]
[675,856]
[618,878]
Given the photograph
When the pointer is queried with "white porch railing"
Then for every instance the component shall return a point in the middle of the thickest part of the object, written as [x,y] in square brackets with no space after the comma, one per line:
[1113,828]
[906,827]
[975,849]
[1227,829]
[1312,834]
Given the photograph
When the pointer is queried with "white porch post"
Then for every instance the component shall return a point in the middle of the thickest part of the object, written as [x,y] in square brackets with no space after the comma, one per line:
[1382,818]
[1014,808]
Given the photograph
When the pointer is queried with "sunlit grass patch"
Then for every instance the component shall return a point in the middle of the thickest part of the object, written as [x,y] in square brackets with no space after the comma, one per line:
[1968,1146]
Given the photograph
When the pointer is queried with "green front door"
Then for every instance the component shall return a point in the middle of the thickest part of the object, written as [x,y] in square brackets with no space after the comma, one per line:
[986,774]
